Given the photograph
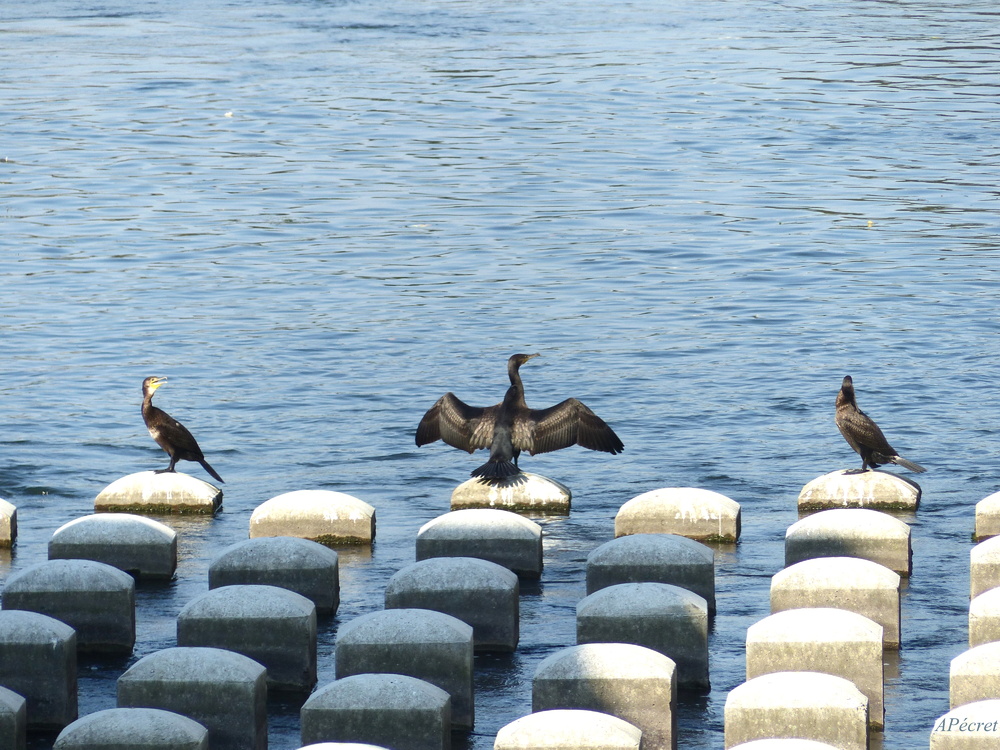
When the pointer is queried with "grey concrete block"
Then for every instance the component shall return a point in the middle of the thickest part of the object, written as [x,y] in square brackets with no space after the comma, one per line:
[8,524]
[665,618]
[850,532]
[499,536]
[984,567]
[159,493]
[273,626]
[850,583]
[13,720]
[568,729]
[654,558]
[320,515]
[478,592]
[133,729]
[832,641]
[342,746]
[300,565]
[96,600]
[397,711]
[634,683]
[987,517]
[975,675]
[138,545]
[973,726]
[686,511]
[848,488]
[984,618]
[530,493]
[802,705]
[421,643]
[223,691]
[38,662]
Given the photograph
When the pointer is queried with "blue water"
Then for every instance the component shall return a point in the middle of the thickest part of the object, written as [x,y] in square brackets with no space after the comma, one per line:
[317,217]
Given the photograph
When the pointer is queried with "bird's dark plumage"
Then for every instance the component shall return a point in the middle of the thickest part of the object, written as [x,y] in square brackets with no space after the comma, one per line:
[510,427]
[168,433]
[863,435]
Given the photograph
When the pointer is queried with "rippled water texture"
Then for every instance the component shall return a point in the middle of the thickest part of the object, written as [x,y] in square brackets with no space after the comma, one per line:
[317,217]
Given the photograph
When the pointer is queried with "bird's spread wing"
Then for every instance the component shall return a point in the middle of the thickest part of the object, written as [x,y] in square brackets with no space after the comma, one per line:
[567,423]
[458,424]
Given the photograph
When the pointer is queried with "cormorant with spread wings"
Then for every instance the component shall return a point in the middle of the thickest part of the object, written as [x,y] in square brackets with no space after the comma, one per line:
[511,427]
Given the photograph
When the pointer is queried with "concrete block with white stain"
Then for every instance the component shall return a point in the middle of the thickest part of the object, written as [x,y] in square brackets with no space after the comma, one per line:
[500,536]
[323,516]
[975,675]
[8,523]
[159,493]
[525,492]
[984,618]
[974,726]
[988,517]
[136,544]
[850,488]
[687,511]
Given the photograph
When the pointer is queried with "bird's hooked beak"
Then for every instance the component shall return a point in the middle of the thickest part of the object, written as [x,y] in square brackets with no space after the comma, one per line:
[155,383]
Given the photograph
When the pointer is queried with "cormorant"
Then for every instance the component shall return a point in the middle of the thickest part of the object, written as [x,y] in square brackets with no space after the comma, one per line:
[168,433]
[863,435]
[511,427]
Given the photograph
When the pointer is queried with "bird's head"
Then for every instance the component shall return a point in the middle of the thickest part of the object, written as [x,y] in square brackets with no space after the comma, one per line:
[519,359]
[150,384]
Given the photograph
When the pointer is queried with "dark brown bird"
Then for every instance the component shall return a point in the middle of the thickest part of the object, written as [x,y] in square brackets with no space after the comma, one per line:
[168,433]
[863,435]
[511,427]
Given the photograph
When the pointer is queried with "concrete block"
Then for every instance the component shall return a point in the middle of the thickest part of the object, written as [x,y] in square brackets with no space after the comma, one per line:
[223,691]
[421,643]
[397,711]
[634,683]
[13,720]
[849,488]
[973,726]
[832,641]
[300,565]
[687,511]
[138,545]
[499,536]
[984,567]
[850,583]
[8,524]
[133,729]
[160,494]
[96,600]
[975,675]
[320,515]
[38,662]
[659,616]
[801,705]
[984,618]
[784,744]
[478,592]
[850,532]
[654,558]
[569,729]
[987,517]
[273,626]
[526,492]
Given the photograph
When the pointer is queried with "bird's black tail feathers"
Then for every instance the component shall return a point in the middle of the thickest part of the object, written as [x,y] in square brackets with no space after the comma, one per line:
[900,461]
[211,471]
[493,472]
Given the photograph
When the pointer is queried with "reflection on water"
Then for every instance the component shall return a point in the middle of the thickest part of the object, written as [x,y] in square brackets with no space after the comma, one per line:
[318,217]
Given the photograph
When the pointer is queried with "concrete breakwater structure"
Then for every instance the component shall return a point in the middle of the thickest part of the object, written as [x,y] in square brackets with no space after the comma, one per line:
[405,675]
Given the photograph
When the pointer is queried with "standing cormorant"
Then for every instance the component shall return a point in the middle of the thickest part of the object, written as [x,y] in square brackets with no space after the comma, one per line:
[168,433]
[511,427]
[863,435]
